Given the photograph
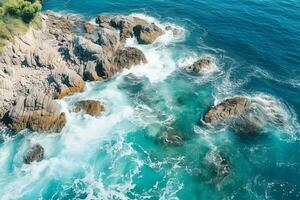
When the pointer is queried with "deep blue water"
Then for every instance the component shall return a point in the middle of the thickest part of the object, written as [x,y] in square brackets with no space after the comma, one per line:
[256,45]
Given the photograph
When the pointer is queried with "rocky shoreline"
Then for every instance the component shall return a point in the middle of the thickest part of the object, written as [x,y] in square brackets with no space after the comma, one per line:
[55,61]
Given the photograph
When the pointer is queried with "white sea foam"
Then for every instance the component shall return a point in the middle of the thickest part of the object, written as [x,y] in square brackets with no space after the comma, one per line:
[276,114]
[160,62]
[82,138]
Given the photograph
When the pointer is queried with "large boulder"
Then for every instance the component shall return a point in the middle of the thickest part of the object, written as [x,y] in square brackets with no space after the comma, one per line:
[90,107]
[232,107]
[109,65]
[126,24]
[86,50]
[34,154]
[90,72]
[200,65]
[109,39]
[147,34]
[65,83]
[128,57]
[37,112]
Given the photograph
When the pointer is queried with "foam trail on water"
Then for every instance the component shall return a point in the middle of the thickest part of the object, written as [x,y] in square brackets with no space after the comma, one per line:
[160,62]
[68,153]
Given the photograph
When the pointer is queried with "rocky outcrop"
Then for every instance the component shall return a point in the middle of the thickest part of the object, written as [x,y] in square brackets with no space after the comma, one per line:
[109,39]
[175,31]
[147,34]
[34,154]
[126,25]
[248,124]
[36,112]
[103,21]
[56,60]
[65,83]
[229,108]
[128,57]
[90,107]
[200,65]
[221,165]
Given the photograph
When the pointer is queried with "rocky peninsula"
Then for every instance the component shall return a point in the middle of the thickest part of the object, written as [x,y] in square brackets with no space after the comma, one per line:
[55,61]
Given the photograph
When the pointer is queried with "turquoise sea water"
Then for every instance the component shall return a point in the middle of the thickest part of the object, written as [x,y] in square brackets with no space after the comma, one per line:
[256,45]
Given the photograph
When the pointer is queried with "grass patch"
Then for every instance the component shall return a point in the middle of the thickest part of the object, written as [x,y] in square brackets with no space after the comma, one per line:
[16,16]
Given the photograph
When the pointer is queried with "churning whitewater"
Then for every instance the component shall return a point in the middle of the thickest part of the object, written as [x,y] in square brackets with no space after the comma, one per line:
[124,153]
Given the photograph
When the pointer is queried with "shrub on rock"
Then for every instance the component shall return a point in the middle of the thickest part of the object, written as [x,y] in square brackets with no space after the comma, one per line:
[24,9]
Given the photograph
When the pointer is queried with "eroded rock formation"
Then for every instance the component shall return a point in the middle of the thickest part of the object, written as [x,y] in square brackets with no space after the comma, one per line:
[90,107]
[200,65]
[54,61]
[232,107]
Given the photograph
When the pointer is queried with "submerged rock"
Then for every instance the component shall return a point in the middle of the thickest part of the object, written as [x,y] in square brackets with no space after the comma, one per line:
[200,65]
[232,107]
[147,34]
[174,30]
[35,153]
[248,125]
[90,107]
[222,167]
[171,138]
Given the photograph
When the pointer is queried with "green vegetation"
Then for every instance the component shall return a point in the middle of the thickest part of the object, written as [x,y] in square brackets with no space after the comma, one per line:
[17,16]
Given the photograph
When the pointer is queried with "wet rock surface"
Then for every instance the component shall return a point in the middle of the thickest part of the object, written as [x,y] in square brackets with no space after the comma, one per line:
[232,107]
[147,34]
[90,107]
[36,112]
[174,30]
[89,28]
[56,60]
[128,57]
[200,65]
[171,138]
[34,154]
